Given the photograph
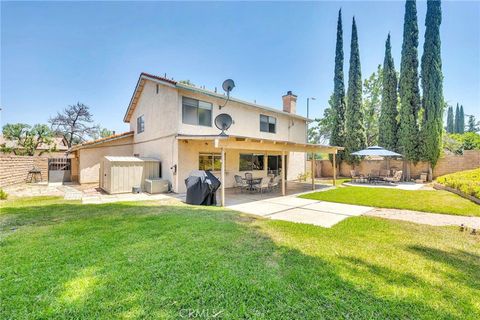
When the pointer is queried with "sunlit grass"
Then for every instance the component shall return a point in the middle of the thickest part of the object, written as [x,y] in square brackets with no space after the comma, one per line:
[156,260]
[436,201]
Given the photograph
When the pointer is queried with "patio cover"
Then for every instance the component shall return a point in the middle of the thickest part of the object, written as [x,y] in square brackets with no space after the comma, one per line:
[249,143]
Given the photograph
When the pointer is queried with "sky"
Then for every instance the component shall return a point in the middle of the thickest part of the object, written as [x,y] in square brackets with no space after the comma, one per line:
[54,54]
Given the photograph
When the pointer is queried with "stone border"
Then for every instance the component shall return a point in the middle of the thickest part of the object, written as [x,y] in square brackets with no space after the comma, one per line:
[458,192]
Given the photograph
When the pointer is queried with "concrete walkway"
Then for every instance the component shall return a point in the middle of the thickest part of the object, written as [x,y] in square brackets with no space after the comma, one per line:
[293,209]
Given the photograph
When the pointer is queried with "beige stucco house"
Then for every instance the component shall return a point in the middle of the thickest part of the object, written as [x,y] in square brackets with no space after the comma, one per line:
[174,122]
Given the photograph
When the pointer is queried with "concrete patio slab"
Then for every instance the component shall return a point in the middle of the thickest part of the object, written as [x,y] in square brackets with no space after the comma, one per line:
[314,217]
[339,208]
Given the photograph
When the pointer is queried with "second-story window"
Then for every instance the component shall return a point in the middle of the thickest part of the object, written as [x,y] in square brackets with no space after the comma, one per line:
[140,124]
[196,112]
[268,124]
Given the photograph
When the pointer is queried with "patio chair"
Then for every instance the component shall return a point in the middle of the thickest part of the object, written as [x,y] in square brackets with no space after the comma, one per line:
[248,175]
[240,183]
[275,183]
[264,184]
[384,173]
[397,177]
[356,177]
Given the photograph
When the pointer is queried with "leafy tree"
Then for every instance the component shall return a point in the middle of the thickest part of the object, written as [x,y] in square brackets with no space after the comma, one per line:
[102,133]
[372,103]
[388,122]
[320,131]
[467,141]
[27,139]
[338,105]
[461,121]
[408,87]
[473,125]
[355,137]
[450,120]
[432,87]
[75,123]
[457,119]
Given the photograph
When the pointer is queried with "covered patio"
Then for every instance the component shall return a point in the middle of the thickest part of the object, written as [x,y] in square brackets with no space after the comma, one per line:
[224,144]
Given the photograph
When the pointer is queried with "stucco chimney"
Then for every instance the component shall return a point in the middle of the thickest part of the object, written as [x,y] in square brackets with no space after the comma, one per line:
[290,102]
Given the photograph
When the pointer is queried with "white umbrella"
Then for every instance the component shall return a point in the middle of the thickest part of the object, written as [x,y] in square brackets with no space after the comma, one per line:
[376,151]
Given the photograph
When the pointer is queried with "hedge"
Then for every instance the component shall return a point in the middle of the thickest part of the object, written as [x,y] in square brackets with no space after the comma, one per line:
[467,182]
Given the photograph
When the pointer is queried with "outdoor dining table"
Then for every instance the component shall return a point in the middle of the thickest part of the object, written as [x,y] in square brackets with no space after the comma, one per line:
[252,182]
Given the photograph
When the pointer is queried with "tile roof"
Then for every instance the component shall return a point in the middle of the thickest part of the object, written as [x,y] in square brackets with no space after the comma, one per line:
[102,140]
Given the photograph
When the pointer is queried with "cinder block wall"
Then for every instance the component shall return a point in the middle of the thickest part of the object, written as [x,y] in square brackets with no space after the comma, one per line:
[14,169]
[448,164]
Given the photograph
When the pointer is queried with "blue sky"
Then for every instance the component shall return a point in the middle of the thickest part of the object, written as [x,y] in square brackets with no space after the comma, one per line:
[55,54]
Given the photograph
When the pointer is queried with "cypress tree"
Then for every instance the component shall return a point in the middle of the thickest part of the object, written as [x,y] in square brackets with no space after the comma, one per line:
[338,131]
[388,125]
[457,120]
[408,87]
[461,121]
[432,86]
[355,137]
[450,120]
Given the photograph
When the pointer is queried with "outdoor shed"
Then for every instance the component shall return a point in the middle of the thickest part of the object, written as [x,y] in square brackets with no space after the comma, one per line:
[121,174]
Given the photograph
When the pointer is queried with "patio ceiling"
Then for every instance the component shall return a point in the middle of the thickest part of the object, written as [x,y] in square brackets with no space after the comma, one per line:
[248,143]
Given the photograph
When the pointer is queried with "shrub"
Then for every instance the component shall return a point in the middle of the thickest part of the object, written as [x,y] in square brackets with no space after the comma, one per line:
[3,195]
[467,182]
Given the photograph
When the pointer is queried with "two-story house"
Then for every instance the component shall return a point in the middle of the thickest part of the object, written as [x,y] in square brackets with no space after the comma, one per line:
[174,122]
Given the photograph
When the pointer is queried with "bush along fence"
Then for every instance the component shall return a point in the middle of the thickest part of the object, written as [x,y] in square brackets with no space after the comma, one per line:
[14,169]
[449,163]
[464,183]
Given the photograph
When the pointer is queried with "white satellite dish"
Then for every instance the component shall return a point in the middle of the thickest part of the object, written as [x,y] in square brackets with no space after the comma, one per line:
[223,121]
[228,86]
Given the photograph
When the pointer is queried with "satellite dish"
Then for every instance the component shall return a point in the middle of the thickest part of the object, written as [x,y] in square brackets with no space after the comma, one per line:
[228,86]
[223,121]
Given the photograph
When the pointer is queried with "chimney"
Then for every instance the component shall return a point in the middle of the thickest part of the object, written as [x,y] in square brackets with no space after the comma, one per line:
[290,102]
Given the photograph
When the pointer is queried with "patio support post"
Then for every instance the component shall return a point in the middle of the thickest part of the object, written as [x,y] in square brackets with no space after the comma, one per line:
[223,178]
[313,171]
[283,173]
[334,170]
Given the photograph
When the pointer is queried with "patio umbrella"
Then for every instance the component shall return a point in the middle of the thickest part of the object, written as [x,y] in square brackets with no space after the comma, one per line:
[378,152]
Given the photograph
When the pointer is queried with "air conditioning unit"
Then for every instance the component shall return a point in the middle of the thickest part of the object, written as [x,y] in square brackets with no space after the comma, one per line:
[156,185]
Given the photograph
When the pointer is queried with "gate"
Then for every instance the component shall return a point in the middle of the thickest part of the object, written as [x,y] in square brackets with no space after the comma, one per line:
[59,170]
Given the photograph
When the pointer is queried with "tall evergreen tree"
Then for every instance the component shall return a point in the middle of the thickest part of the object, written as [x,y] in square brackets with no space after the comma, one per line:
[461,121]
[432,87]
[457,120]
[408,87]
[338,108]
[388,125]
[355,137]
[473,125]
[450,120]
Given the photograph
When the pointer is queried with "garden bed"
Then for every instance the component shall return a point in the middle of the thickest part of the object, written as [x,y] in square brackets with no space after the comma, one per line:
[464,183]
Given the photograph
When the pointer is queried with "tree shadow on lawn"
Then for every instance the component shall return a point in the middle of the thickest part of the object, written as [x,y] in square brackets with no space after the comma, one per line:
[136,260]
[463,267]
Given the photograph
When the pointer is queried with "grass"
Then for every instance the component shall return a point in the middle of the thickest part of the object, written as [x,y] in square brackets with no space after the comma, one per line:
[158,260]
[338,181]
[436,201]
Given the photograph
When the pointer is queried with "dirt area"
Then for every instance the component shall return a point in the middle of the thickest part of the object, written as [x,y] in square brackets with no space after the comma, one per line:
[432,219]
[33,190]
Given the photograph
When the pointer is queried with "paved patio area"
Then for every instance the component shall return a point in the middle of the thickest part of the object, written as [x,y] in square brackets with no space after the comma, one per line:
[291,208]
[399,185]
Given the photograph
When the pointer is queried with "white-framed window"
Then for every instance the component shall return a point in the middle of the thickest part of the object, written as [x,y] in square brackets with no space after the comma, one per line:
[140,124]
[210,161]
[268,124]
[196,112]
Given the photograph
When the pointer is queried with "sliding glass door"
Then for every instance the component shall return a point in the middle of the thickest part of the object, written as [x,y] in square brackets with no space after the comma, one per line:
[275,164]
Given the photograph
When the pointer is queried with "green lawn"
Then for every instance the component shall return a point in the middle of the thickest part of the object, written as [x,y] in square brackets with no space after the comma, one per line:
[161,260]
[420,200]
